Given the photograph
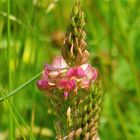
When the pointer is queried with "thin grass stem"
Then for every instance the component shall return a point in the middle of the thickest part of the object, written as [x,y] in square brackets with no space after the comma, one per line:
[11,126]
[12,93]
[9,104]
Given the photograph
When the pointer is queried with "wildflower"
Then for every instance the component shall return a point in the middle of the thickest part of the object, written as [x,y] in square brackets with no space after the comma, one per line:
[73,72]
[70,76]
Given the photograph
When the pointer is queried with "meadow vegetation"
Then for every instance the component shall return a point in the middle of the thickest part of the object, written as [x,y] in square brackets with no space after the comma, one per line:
[32,33]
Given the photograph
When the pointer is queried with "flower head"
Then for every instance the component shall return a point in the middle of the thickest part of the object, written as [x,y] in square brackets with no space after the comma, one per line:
[59,76]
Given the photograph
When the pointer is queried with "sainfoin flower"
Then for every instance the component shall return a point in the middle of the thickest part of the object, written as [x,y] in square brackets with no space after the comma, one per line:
[59,76]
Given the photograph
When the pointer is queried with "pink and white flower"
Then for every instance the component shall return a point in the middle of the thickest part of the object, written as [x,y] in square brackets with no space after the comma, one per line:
[68,79]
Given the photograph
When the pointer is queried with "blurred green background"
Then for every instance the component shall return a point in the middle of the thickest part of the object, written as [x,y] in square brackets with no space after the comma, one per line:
[34,34]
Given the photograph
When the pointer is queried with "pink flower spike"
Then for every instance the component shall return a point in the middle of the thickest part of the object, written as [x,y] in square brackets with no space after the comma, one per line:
[59,63]
[90,72]
[42,84]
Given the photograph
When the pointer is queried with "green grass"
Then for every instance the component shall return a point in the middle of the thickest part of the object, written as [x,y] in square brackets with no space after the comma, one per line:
[27,32]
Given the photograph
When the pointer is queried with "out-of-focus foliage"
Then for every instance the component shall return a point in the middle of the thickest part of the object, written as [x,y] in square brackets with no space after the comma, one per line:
[37,32]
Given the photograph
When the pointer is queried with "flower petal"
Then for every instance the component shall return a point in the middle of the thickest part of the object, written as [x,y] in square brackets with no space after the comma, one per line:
[66,95]
[76,71]
[79,72]
[62,83]
[59,63]
[71,72]
[42,84]
[90,72]
[67,85]
[70,85]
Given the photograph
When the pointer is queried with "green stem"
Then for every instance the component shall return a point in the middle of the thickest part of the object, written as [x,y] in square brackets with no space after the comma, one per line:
[11,127]
[8,43]
[10,94]
[14,117]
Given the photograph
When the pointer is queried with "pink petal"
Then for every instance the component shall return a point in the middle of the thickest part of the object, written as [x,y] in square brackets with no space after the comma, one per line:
[79,72]
[90,72]
[66,95]
[59,63]
[70,85]
[62,83]
[71,72]
[76,71]
[42,84]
